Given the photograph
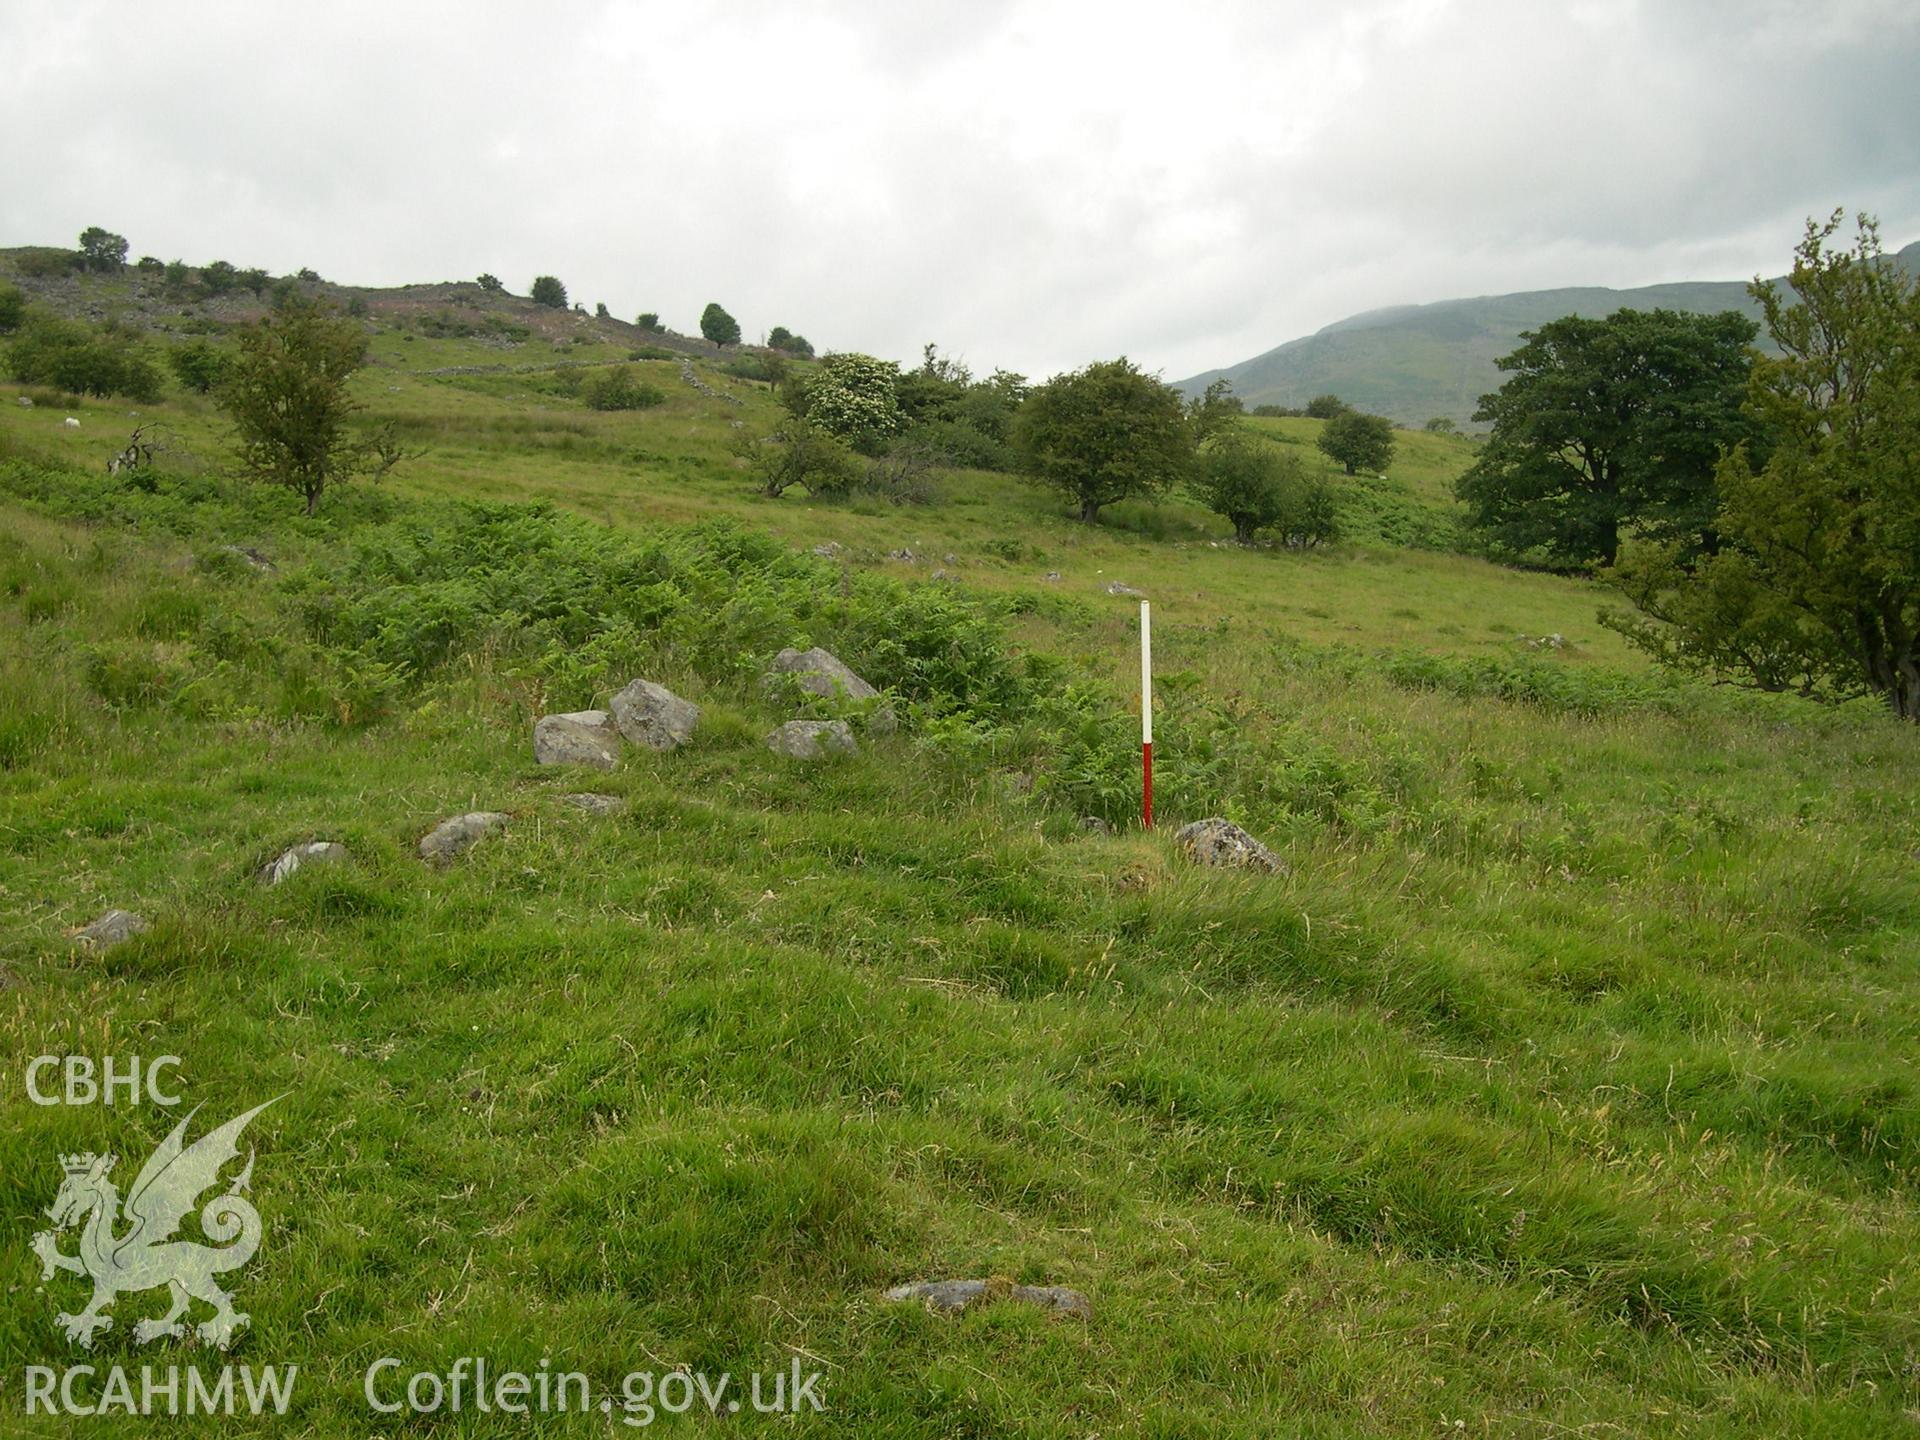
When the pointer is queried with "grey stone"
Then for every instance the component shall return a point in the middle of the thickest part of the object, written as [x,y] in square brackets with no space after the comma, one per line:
[1221,842]
[110,929]
[652,715]
[25,402]
[813,739]
[596,804]
[953,1296]
[249,557]
[314,852]
[456,835]
[1114,587]
[584,737]
[827,550]
[1051,575]
[820,672]
[1094,825]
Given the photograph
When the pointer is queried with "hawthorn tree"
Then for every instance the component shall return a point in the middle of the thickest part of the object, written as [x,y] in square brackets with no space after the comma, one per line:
[1358,441]
[1326,407]
[1105,433]
[1815,582]
[1244,480]
[852,397]
[285,389]
[490,283]
[1609,425]
[548,291]
[718,326]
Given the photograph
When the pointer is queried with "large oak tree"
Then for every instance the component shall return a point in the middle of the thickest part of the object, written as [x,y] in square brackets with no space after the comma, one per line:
[1607,425]
[1815,584]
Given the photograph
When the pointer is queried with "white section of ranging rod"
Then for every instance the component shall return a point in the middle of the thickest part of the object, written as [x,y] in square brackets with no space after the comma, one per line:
[1146,674]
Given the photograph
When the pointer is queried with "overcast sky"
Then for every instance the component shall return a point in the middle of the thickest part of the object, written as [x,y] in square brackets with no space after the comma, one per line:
[1032,185]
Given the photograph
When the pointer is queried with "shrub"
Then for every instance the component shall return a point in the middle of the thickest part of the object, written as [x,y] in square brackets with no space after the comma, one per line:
[491,284]
[617,388]
[199,365]
[68,356]
[46,262]
[781,338]
[767,369]
[799,453]
[548,291]
[13,308]
[219,277]
[649,320]
[1326,407]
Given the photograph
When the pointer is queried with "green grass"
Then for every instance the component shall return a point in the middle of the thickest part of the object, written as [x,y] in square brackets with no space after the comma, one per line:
[1564,1085]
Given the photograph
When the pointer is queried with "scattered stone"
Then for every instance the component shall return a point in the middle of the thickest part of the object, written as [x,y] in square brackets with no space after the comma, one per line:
[1053,575]
[950,1297]
[581,737]
[25,402]
[455,836]
[652,715]
[596,804]
[249,557]
[110,929]
[1094,825]
[822,673]
[1221,842]
[905,555]
[1114,587]
[71,423]
[950,558]
[813,739]
[827,550]
[314,852]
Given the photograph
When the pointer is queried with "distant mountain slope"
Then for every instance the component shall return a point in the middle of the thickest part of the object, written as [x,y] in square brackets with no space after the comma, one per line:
[1412,362]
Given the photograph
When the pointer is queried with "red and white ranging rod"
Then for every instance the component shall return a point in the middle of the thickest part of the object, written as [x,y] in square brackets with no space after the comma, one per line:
[1146,716]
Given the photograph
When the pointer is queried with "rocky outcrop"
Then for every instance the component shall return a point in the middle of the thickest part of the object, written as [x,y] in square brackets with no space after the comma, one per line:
[580,737]
[110,929]
[813,739]
[652,715]
[1221,842]
[314,852]
[595,804]
[455,836]
[953,1296]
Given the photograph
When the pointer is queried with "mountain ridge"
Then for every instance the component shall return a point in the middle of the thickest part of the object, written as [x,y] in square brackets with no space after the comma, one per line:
[1413,362]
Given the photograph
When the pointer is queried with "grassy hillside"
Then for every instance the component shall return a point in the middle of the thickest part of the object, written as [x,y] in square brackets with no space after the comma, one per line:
[1413,362]
[1564,1084]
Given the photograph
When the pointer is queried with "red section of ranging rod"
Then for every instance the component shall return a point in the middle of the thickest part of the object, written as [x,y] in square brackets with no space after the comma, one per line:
[1146,784]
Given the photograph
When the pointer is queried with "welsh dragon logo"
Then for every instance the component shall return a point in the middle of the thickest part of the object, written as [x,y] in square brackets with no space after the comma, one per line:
[146,1255]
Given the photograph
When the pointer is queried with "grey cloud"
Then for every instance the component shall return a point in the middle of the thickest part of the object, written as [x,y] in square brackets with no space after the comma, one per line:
[1029,184]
